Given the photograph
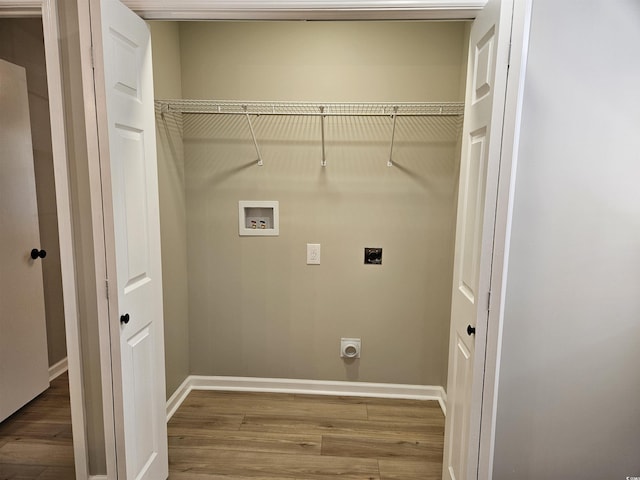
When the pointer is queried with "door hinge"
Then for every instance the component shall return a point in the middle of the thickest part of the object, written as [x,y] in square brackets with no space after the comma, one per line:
[106,285]
[489,300]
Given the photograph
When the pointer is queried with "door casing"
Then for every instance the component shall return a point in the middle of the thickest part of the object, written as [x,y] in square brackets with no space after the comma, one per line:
[48,11]
[317,9]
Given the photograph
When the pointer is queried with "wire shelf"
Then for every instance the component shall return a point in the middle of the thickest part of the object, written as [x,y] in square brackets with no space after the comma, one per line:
[316,109]
[310,108]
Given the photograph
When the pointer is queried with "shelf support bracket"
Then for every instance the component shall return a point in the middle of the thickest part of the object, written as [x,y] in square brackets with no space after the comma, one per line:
[393,136]
[253,136]
[164,108]
[324,158]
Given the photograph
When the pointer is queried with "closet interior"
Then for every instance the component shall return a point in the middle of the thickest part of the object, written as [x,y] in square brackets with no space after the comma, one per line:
[354,129]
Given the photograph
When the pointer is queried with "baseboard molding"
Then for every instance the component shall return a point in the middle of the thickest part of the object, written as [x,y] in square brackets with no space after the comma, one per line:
[178,397]
[309,387]
[97,477]
[58,369]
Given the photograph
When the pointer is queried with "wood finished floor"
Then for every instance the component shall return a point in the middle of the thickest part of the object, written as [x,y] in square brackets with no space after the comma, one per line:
[36,441]
[242,436]
[228,435]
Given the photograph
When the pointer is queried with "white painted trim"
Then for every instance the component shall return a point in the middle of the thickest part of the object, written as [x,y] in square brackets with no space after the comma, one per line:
[90,55]
[443,402]
[306,9]
[304,387]
[50,25]
[502,234]
[98,477]
[58,369]
[18,8]
[317,387]
[178,397]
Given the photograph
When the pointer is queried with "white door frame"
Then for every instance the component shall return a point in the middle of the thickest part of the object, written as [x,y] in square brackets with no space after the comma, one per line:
[502,232]
[271,10]
[47,10]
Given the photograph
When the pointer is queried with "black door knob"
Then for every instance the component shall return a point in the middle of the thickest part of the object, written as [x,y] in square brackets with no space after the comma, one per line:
[471,330]
[35,253]
[124,318]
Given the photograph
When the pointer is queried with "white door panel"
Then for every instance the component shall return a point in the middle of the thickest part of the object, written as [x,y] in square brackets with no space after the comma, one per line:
[23,336]
[128,95]
[477,193]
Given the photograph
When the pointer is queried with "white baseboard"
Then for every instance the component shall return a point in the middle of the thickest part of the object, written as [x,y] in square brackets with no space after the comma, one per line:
[178,397]
[309,387]
[97,477]
[58,369]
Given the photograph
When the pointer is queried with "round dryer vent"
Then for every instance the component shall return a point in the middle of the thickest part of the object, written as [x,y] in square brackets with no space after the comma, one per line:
[350,347]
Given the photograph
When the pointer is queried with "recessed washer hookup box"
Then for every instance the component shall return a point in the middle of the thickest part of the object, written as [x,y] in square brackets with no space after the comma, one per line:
[259,218]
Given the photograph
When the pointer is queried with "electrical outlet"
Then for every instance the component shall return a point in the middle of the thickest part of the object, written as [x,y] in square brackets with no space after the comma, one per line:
[373,256]
[313,254]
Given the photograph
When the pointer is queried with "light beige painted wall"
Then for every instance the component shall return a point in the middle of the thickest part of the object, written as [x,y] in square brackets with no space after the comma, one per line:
[255,307]
[22,43]
[165,39]
[322,61]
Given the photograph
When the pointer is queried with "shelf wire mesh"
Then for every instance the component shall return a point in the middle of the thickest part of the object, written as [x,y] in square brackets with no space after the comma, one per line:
[311,108]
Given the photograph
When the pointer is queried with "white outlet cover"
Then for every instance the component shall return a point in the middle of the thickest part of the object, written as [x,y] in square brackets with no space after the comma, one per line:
[313,254]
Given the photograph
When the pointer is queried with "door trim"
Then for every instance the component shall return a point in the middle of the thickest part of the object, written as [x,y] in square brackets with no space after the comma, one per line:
[101,251]
[27,8]
[502,231]
[306,9]
[47,10]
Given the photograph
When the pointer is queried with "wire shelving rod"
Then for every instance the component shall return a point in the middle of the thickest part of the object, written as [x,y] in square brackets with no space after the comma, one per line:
[224,107]
[314,109]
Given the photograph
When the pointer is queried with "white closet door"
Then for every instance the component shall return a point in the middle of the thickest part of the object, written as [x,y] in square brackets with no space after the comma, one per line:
[477,194]
[124,92]
[24,371]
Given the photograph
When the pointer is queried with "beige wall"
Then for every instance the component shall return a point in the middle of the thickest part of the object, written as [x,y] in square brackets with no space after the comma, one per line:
[173,228]
[22,43]
[322,61]
[255,307]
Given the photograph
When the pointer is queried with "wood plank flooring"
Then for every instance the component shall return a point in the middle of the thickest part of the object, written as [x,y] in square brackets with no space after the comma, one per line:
[228,435]
[242,436]
[36,441]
